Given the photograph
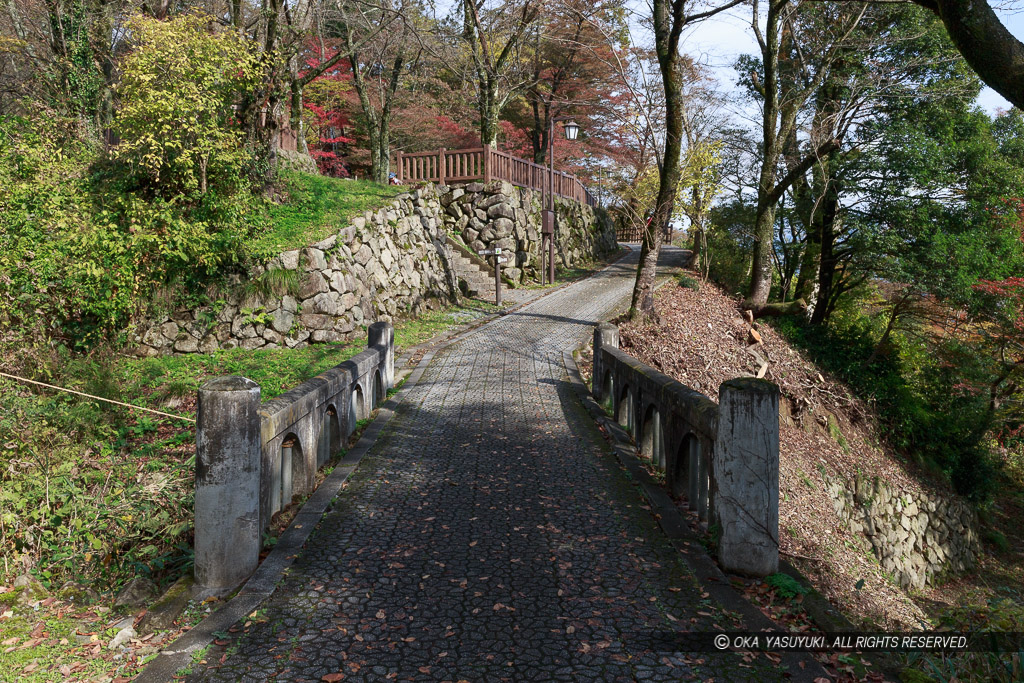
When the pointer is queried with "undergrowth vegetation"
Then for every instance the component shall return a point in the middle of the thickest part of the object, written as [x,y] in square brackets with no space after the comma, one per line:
[921,382]
[84,243]
[86,247]
[95,493]
[920,412]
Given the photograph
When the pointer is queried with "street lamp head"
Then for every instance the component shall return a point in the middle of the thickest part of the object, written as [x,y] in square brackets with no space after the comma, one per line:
[571,130]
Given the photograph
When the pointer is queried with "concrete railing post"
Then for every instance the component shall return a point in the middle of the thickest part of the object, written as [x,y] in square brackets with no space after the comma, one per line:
[606,335]
[383,334]
[745,477]
[227,504]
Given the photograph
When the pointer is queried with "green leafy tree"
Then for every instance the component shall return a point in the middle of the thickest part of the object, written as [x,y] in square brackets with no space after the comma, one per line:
[177,91]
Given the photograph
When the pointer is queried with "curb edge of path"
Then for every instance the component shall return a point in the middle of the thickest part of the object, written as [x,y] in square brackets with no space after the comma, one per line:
[801,667]
[263,582]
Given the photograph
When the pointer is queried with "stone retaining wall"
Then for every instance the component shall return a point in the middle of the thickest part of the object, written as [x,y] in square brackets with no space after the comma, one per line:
[386,264]
[501,215]
[915,535]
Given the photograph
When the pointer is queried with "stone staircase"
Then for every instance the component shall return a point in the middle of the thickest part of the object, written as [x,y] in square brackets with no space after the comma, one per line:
[477,280]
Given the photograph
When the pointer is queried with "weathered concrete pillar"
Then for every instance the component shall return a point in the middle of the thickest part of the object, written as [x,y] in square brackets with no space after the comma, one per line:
[606,335]
[383,334]
[745,477]
[227,505]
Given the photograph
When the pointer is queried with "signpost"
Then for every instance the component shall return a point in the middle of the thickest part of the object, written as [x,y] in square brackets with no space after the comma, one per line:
[498,260]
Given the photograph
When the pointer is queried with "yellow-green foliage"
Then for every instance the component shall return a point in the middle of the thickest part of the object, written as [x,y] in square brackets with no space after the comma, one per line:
[83,246]
[176,90]
[699,182]
[43,211]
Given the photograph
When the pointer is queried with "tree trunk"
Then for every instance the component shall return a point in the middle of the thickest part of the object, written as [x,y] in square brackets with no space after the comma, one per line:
[987,46]
[700,259]
[539,134]
[377,164]
[668,25]
[764,220]
[806,208]
[894,315]
[383,144]
[488,113]
[829,262]
[807,280]
[761,272]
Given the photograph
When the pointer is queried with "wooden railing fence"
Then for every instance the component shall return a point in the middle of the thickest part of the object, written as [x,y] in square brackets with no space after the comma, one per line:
[483,163]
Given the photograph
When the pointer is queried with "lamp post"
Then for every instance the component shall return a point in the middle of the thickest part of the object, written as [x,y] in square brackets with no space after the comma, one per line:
[548,214]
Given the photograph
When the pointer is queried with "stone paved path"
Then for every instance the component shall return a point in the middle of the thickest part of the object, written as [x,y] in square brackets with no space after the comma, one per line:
[489,535]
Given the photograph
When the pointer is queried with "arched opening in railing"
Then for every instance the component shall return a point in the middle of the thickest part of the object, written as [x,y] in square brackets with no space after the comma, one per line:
[357,405]
[608,391]
[624,409]
[652,441]
[691,478]
[325,444]
[291,463]
[378,390]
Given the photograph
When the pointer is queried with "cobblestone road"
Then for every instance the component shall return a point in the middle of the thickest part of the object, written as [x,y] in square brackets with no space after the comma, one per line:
[489,535]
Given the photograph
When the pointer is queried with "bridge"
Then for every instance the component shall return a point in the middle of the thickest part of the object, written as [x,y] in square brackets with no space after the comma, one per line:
[488,533]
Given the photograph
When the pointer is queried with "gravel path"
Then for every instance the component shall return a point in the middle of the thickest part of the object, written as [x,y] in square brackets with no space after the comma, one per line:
[489,535]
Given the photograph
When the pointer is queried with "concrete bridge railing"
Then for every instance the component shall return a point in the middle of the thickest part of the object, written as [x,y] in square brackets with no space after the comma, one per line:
[723,459]
[252,459]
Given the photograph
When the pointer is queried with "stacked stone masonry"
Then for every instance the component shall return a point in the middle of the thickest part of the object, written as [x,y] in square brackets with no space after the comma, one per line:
[916,536]
[386,264]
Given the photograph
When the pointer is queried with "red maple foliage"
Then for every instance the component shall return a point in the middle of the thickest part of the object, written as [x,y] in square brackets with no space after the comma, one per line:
[326,114]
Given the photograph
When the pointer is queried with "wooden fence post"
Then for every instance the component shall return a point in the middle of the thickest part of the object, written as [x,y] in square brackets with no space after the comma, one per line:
[440,166]
[487,163]
[398,163]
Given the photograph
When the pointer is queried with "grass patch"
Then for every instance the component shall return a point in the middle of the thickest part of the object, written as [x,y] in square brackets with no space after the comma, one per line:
[275,370]
[416,331]
[42,649]
[273,283]
[317,206]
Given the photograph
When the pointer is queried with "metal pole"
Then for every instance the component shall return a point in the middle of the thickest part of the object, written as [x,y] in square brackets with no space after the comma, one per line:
[497,276]
[551,163]
[543,263]
[551,193]
[543,240]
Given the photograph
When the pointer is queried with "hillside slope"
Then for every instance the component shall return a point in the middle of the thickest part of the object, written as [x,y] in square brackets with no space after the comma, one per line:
[828,441]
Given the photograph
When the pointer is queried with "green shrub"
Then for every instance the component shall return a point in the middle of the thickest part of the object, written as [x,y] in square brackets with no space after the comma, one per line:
[921,413]
[177,88]
[729,246]
[688,281]
[997,539]
[785,585]
[84,244]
